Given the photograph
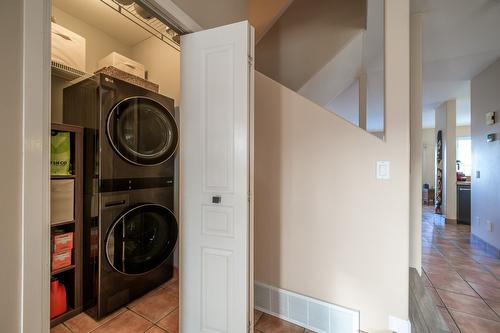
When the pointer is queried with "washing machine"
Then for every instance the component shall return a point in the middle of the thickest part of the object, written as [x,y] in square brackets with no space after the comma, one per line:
[130,226]
[131,248]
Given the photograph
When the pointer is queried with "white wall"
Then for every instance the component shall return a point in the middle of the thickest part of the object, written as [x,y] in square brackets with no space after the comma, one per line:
[486,156]
[325,226]
[162,63]
[429,157]
[346,105]
[10,177]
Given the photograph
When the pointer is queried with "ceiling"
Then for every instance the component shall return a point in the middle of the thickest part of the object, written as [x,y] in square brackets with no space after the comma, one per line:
[460,39]
[261,13]
[104,18]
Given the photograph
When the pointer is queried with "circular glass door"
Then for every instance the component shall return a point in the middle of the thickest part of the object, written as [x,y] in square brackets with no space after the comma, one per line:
[141,239]
[142,131]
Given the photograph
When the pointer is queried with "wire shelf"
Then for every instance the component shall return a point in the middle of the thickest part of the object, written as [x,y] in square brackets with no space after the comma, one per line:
[149,23]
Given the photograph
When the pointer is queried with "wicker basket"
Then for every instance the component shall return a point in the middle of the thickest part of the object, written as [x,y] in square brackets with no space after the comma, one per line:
[124,76]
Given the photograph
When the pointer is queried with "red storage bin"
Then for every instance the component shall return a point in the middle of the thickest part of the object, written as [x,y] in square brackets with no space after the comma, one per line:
[61,260]
[58,304]
[62,242]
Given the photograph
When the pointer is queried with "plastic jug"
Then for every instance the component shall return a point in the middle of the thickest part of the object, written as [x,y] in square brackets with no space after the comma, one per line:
[57,298]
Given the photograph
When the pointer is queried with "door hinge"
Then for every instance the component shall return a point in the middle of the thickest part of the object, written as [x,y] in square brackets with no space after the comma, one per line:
[250,60]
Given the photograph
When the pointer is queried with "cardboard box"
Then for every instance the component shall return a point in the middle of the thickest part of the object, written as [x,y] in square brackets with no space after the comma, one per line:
[123,63]
[61,260]
[62,242]
[62,197]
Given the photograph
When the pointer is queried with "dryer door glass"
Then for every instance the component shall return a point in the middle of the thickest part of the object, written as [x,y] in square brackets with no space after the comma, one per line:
[141,239]
[142,131]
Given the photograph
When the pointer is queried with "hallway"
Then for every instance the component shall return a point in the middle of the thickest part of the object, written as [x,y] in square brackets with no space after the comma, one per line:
[463,280]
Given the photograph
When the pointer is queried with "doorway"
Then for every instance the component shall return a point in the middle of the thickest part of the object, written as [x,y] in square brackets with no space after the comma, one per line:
[124,142]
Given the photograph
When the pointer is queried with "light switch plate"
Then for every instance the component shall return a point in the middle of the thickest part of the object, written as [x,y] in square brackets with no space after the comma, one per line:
[489,226]
[383,170]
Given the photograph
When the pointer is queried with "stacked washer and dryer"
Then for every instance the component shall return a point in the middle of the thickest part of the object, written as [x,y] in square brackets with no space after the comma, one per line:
[130,227]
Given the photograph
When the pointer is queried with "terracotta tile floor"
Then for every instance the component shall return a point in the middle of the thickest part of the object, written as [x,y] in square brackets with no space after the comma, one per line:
[463,280]
[157,312]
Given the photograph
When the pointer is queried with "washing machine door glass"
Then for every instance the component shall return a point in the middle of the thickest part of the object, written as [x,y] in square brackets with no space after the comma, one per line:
[141,239]
[142,131]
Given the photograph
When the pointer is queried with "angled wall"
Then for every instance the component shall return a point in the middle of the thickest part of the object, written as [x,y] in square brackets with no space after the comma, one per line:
[325,226]
[306,37]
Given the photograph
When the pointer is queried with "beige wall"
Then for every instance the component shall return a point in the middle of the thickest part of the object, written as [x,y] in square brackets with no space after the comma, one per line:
[429,152]
[11,148]
[211,14]
[429,157]
[463,131]
[264,13]
[485,156]
[324,225]
[162,63]
[98,44]
[306,37]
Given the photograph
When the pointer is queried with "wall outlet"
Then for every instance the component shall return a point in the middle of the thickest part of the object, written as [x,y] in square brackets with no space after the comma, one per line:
[478,221]
[489,226]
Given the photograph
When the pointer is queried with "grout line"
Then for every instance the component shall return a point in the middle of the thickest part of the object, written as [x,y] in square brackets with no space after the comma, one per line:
[469,253]
[453,318]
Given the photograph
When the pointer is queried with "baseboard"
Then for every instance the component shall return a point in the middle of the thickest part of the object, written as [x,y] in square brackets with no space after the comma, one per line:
[485,246]
[399,325]
[304,311]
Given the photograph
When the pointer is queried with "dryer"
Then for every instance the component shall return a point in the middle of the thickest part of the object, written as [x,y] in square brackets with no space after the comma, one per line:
[130,227]
[130,132]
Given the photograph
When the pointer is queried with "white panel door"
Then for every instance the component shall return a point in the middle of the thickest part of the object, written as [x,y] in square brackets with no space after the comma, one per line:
[215,114]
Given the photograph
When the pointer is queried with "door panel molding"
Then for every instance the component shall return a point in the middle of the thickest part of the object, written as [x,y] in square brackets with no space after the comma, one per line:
[215,179]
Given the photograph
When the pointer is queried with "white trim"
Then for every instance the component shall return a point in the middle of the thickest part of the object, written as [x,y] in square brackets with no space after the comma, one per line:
[183,19]
[35,272]
[310,316]
[399,325]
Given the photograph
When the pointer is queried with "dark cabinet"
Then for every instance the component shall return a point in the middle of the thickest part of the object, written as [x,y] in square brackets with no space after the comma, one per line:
[463,203]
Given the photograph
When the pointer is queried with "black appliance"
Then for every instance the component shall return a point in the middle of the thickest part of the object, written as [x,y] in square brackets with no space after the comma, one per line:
[130,227]
[464,203]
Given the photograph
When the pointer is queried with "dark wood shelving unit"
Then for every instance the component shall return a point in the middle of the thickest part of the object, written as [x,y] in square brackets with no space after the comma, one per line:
[60,224]
[71,276]
[62,270]
[63,177]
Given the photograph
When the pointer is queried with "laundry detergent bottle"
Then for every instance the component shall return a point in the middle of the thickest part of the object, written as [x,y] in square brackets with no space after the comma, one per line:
[57,298]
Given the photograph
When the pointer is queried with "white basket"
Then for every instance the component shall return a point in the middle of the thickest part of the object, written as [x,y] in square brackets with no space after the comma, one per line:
[68,48]
[123,63]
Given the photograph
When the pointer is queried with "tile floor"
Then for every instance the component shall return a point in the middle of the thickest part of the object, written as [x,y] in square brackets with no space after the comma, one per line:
[157,312]
[463,280]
